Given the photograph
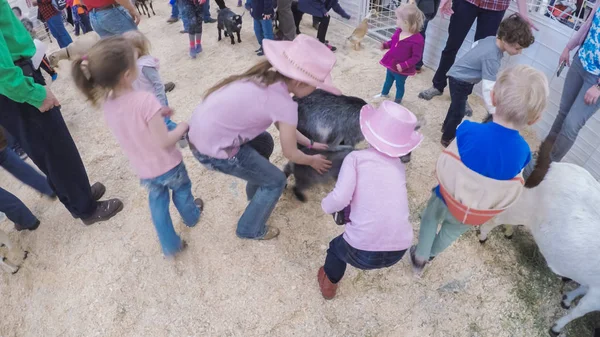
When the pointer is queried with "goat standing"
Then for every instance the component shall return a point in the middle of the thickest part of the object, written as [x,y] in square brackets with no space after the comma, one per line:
[144,4]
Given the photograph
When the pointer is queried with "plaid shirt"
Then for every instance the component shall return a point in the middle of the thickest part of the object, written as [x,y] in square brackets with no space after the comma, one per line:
[492,5]
[46,10]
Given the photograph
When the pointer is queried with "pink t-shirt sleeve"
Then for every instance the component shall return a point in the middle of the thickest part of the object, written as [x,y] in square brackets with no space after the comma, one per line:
[149,105]
[342,194]
[281,106]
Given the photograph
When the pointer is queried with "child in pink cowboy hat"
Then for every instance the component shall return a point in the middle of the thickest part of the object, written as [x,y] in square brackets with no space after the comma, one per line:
[372,184]
[228,129]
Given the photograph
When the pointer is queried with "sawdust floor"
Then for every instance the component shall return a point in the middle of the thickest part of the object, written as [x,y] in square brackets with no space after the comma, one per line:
[110,279]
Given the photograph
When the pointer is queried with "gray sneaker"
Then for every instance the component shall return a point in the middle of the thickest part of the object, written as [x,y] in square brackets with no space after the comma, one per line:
[468,110]
[429,93]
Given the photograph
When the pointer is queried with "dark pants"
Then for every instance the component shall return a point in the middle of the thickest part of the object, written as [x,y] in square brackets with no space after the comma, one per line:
[461,21]
[84,24]
[16,211]
[46,139]
[323,26]
[459,93]
[423,33]
[340,253]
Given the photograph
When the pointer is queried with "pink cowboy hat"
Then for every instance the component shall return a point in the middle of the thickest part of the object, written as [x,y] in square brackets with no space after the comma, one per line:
[390,129]
[305,59]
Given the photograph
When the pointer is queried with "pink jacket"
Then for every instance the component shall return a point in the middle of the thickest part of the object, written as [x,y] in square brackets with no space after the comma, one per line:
[407,53]
[582,33]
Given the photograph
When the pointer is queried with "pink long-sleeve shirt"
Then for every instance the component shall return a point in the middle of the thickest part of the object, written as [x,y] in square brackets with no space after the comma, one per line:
[374,185]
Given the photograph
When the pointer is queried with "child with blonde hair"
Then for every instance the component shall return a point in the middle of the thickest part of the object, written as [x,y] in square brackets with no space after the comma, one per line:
[405,50]
[480,173]
[135,117]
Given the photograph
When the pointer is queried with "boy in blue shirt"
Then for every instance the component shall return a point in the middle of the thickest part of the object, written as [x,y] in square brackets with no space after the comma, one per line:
[487,161]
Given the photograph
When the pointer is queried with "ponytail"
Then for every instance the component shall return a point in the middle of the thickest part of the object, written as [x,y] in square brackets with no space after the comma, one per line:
[261,73]
[84,81]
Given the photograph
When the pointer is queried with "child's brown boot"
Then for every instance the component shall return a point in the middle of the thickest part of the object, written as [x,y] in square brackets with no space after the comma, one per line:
[328,289]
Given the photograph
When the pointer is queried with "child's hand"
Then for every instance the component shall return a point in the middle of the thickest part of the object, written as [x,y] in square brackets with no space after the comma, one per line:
[165,111]
[399,68]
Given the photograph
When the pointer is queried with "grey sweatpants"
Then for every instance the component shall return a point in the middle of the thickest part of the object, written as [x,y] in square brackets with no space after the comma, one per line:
[573,113]
[286,19]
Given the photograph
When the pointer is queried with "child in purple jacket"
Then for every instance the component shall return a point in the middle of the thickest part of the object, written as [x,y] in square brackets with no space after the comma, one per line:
[405,50]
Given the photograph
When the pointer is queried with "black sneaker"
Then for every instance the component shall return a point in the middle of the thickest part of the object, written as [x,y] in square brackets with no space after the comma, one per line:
[32,228]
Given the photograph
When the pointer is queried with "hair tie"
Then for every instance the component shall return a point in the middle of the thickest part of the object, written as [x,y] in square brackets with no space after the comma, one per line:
[85,69]
[84,57]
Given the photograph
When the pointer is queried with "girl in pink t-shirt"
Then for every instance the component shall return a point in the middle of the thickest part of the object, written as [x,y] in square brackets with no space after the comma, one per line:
[228,129]
[135,118]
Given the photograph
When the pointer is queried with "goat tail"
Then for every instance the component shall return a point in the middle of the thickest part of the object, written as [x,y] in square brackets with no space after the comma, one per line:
[542,164]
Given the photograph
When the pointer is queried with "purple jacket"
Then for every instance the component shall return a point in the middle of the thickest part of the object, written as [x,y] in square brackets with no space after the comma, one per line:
[319,8]
[407,53]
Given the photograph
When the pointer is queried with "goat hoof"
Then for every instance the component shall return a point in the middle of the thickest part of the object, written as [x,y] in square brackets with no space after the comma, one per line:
[562,303]
[553,333]
[25,254]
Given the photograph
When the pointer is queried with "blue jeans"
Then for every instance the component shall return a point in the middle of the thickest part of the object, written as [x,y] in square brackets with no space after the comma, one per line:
[110,22]
[340,253]
[459,93]
[265,182]
[174,9]
[58,30]
[263,29]
[390,77]
[178,181]
[25,173]
[16,211]
[170,124]
[206,10]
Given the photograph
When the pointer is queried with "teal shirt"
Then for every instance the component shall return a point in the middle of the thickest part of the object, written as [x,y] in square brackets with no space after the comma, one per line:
[16,43]
[590,50]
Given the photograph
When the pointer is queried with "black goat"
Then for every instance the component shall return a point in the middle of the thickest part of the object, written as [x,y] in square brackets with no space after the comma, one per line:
[230,22]
[144,4]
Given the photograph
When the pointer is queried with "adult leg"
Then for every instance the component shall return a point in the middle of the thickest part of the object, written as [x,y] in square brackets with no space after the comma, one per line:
[77,24]
[450,231]
[286,19]
[174,12]
[16,211]
[400,82]
[57,28]
[158,199]
[297,16]
[258,31]
[459,93]
[387,85]
[206,11]
[267,29]
[323,26]
[85,23]
[25,173]
[180,184]
[423,33]
[461,21]
[488,23]
[221,4]
[264,145]
[433,214]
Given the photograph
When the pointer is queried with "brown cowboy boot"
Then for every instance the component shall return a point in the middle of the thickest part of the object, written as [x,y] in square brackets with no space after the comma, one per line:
[328,289]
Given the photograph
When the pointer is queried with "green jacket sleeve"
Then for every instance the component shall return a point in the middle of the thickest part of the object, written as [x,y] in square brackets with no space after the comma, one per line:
[13,84]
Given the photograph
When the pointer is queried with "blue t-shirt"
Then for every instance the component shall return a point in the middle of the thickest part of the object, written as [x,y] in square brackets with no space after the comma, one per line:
[491,150]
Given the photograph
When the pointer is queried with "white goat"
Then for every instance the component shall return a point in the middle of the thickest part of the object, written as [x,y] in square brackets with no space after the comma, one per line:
[563,215]
[5,241]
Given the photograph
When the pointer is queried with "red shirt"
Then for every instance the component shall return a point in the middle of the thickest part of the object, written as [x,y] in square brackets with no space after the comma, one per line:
[46,10]
[492,5]
[91,4]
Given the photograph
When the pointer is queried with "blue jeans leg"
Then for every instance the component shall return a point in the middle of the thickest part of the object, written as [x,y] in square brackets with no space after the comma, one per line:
[389,81]
[174,10]
[181,185]
[15,210]
[258,31]
[251,166]
[400,82]
[206,10]
[159,200]
[58,30]
[110,22]
[25,173]
[267,29]
[264,145]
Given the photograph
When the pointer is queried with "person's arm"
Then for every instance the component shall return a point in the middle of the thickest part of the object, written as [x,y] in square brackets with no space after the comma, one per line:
[289,146]
[524,13]
[487,87]
[16,86]
[395,37]
[338,9]
[159,89]
[341,196]
[306,142]
[129,7]
[164,138]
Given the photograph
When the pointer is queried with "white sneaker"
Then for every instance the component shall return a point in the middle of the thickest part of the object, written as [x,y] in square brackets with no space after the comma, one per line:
[381,96]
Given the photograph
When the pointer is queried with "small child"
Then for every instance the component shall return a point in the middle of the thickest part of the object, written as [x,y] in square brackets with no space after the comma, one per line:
[480,174]
[481,64]
[262,12]
[372,183]
[192,12]
[405,50]
[135,118]
[149,78]
[81,18]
